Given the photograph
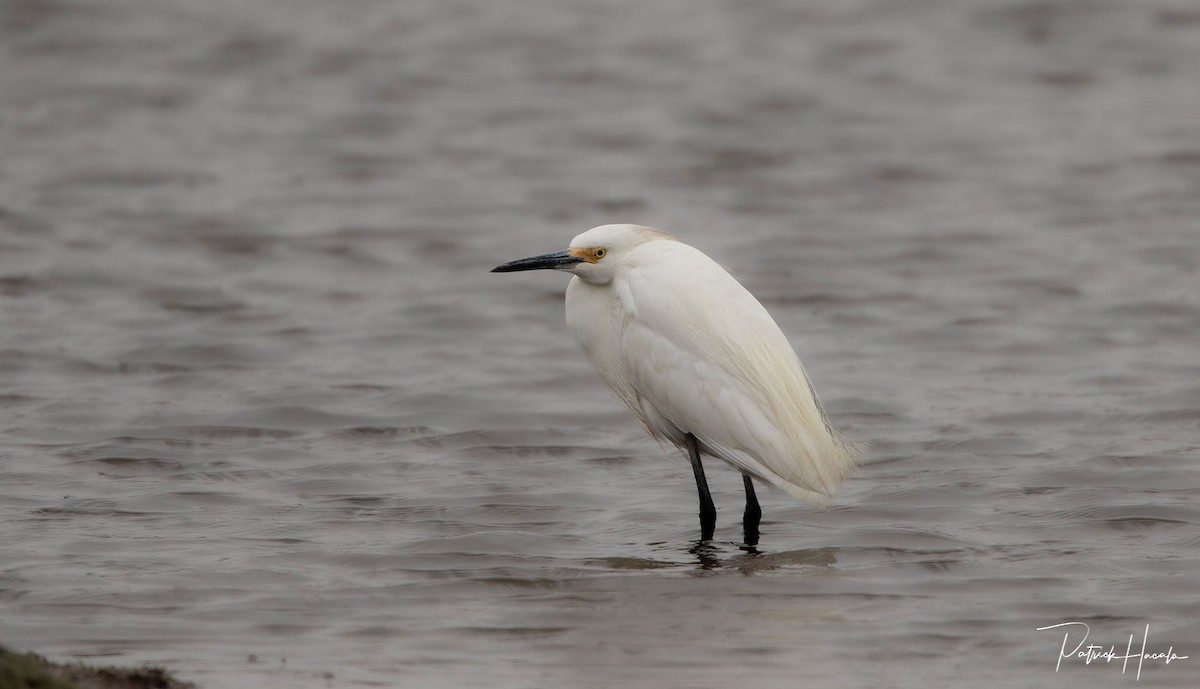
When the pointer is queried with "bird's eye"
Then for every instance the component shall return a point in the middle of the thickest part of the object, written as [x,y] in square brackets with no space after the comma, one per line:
[599,253]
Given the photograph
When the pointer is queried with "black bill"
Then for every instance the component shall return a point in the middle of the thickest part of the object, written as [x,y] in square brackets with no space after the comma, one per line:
[561,259]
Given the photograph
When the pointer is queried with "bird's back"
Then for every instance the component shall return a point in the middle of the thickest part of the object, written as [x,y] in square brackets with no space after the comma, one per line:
[689,350]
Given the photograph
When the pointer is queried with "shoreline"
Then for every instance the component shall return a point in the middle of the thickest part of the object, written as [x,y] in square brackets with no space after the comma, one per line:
[28,670]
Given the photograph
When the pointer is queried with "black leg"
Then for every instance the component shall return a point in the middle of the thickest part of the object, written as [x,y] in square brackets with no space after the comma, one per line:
[753,513]
[708,511]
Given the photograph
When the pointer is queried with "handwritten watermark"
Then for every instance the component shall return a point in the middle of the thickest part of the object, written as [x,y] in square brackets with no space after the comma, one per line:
[1093,652]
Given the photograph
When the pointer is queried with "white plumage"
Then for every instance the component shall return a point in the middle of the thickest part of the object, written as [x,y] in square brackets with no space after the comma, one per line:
[690,351]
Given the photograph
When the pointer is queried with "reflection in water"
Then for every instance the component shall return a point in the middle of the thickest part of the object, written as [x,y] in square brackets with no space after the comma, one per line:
[707,554]
[748,559]
[719,555]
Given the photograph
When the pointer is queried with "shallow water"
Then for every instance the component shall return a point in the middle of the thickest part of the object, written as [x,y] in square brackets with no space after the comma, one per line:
[267,419]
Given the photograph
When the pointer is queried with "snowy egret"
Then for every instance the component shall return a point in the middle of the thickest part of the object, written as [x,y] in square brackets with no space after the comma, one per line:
[699,362]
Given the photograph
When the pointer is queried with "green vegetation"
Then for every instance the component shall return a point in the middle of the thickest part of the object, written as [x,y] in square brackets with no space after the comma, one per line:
[32,671]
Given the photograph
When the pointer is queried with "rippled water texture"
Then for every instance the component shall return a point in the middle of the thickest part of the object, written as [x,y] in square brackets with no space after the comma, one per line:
[266,418]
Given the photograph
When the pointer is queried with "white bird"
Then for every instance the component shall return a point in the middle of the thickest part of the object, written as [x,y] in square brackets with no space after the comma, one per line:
[700,363]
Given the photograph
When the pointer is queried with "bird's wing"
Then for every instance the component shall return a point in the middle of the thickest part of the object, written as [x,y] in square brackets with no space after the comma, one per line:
[706,358]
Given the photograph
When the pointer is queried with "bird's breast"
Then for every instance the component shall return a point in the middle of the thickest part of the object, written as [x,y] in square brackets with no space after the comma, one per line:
[596,317]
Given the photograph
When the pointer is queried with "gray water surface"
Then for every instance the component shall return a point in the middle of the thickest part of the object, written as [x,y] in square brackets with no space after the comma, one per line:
[266,418]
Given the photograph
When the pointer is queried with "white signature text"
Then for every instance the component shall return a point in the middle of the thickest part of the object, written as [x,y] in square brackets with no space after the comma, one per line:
[1089,653]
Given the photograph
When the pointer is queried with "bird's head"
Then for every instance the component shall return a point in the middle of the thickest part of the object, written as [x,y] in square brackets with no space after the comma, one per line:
[594,256]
